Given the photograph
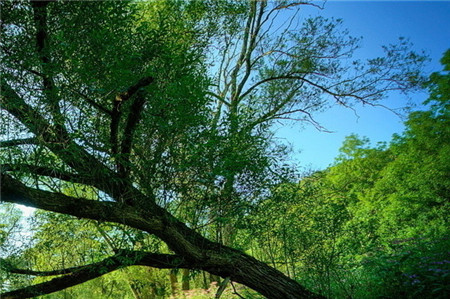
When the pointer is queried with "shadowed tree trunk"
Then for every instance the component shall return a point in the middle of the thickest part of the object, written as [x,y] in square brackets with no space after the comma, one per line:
[194,250]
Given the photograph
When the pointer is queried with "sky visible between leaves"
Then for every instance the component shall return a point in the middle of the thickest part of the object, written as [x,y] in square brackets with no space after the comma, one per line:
[425,23]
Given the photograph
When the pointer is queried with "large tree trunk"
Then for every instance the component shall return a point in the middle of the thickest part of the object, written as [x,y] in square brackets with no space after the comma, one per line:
[196,251]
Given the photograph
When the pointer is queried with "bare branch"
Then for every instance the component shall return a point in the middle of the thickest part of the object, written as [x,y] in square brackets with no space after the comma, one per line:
[297,4]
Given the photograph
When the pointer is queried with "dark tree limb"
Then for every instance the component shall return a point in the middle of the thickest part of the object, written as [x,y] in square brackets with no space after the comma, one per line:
[61,144]
[14,191]
[117,112]
[8,267]
[93,103]
[22,141]
[196,250]
[77,275]
[43,50]
[128,134]
[44,171]
[122,258]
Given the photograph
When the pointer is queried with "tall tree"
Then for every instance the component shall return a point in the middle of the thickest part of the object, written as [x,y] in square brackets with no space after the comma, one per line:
[116,98]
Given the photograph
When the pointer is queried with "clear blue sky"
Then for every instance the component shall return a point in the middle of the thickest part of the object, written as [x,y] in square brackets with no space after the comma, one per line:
[425,23]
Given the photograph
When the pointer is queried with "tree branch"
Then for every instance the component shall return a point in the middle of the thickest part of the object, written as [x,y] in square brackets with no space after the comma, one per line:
[128,133]
[298,3]
[42,43]
[256,27]
[196,250]
[8,267]
[44,171]
[76,275]
[14,191]
[93,103]
[14,142]
[60,143]
[116,111]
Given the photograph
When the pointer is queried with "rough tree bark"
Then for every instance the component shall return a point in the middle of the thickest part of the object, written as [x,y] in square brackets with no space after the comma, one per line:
[193,250]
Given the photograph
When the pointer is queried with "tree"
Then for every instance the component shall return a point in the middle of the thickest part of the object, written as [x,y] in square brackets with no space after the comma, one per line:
[397,200]
[125,108]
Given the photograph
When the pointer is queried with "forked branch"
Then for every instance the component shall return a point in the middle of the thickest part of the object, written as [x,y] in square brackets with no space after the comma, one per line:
[116,112]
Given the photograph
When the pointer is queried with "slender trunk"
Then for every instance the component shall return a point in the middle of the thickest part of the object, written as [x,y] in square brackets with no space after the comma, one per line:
[173,282]
[205,282]
[185,280]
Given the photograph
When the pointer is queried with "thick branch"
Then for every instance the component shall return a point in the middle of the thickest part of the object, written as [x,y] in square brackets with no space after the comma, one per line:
[40,20]
[44,171]
[8,267]
[14,142]
[42,44]
[14,191]
[128,134]
[194,248]
[116,111]
[60,143]
[76,275]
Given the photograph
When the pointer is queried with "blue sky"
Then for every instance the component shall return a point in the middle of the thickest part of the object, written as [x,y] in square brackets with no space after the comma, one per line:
[425,23]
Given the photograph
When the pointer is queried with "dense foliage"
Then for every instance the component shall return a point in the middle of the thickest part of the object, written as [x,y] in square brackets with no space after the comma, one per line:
[376,223]
[146,136]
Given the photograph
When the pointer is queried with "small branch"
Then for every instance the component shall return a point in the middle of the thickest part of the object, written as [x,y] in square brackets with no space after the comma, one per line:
[221,99]
[93,103]
[235,291]
[310,119]
[105,236]
[222,287]
[298,3]
[20,63]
